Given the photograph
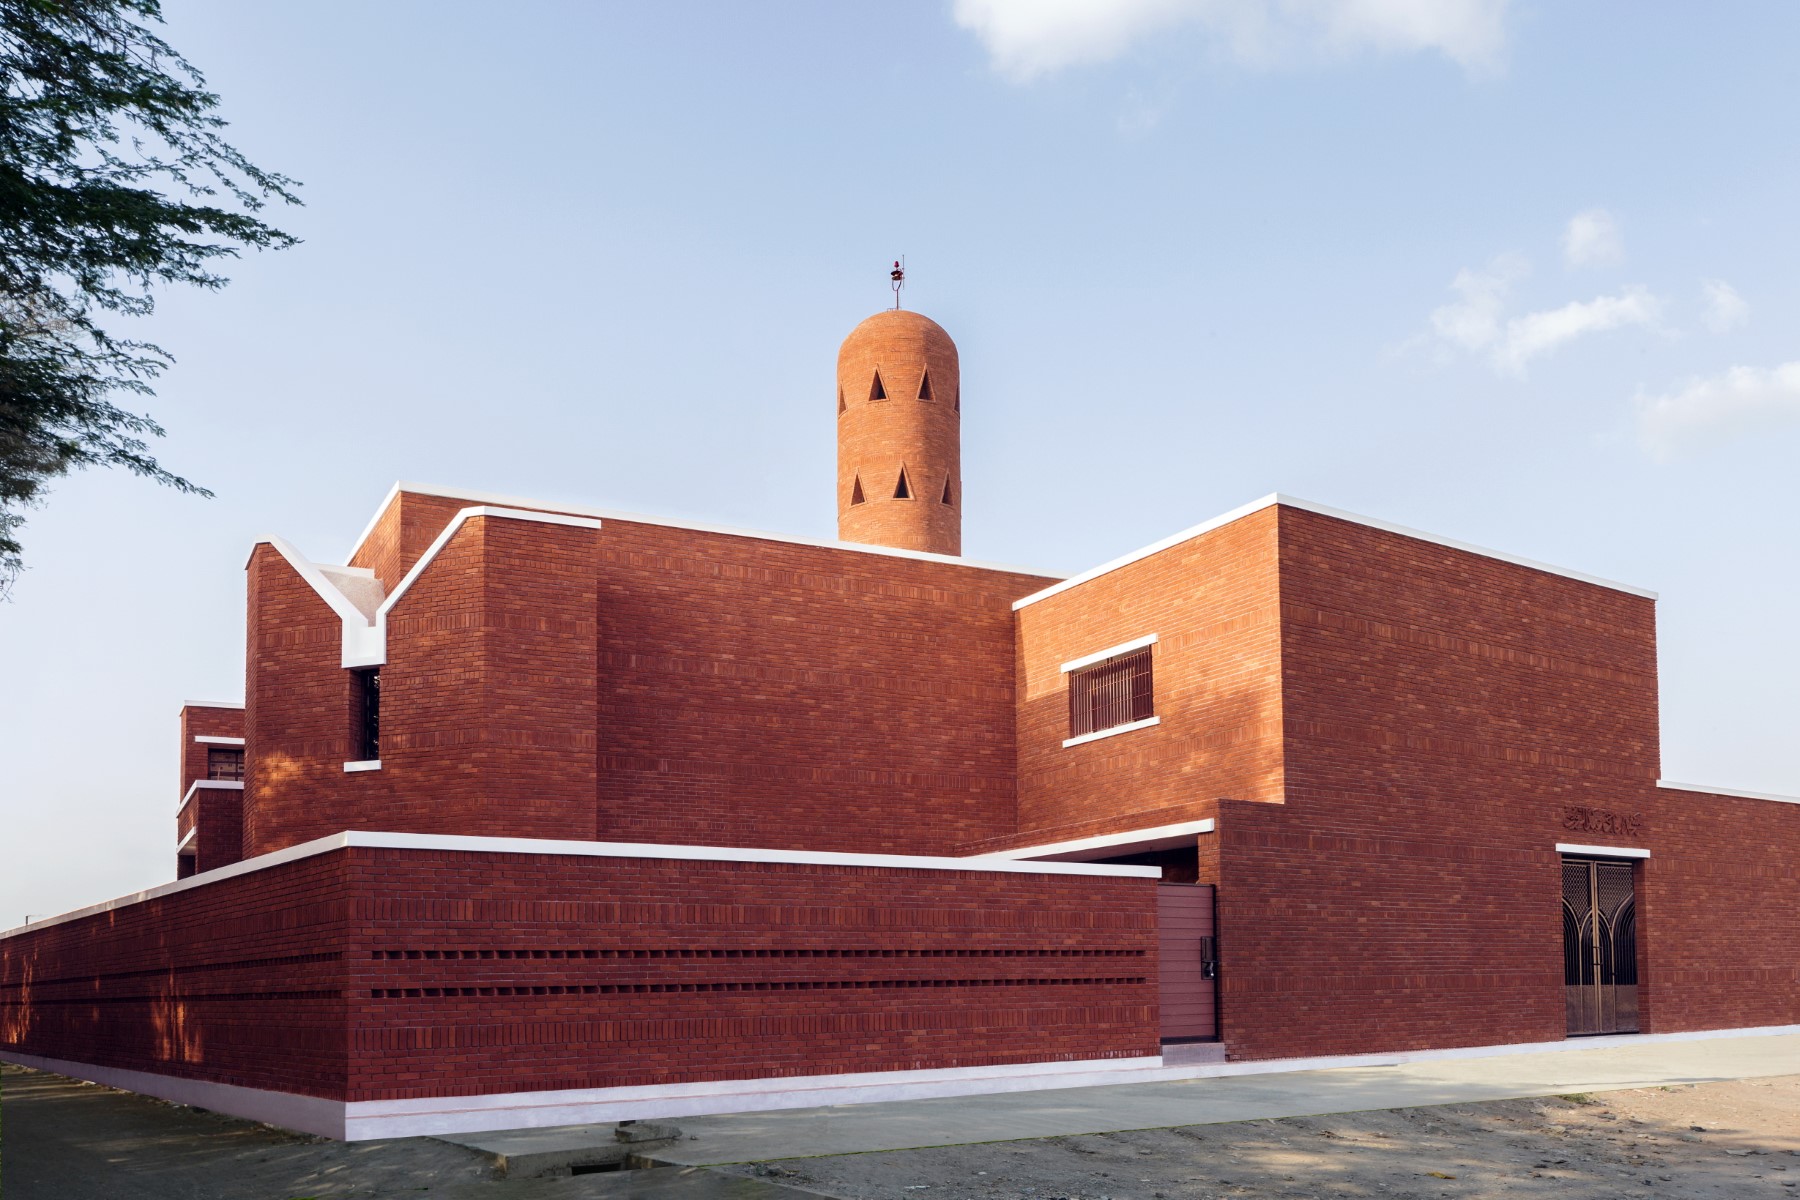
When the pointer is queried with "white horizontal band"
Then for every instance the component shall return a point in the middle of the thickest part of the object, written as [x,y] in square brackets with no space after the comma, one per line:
[1602,851]
[1088,660]
[569,849]
[1157,837]
[216,785]
[609,514]
[207,739]
[1719,791]
[366,764]
[1115,731]
[1277,498]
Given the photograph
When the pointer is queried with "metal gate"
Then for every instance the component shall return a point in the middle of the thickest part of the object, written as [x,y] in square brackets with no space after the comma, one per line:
[1188,957]
[1599,946]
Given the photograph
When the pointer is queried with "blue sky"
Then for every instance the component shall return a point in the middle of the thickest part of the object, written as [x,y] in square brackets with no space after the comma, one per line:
[1521,274]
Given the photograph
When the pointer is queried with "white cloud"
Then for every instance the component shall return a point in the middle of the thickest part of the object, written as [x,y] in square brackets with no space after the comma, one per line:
[1725,310]
[1710,409]
[1476,322]
[1472,321]
[1541,332]
[1592,239]
[1029,38]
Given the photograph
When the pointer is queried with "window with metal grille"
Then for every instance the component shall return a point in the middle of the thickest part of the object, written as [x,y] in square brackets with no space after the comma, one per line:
[1113,692]
[365,713]
[225,764]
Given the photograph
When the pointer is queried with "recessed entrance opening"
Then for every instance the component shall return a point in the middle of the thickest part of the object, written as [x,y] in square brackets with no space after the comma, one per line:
[1600,976]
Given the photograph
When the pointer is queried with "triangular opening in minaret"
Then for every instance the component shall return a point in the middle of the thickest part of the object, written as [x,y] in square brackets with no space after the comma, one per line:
[876,391]
[956,404]
[947,499]
[925,386]
[856,496]
[840,400]
[902,489]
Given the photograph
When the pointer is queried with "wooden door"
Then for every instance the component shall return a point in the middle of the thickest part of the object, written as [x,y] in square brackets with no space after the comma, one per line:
[1188,961]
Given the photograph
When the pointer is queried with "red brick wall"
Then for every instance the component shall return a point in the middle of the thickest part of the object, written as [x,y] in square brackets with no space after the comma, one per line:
[296,712]
[1216,666]
[648,971]
[1718,929]
[487,706]
[879,438]
[203,721]
[219,812]
[487,697]
[402,533]
[764,693]
[1441,709]
[377,974]
[237,981]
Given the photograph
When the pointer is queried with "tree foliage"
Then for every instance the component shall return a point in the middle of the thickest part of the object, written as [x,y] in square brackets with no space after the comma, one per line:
[114,180]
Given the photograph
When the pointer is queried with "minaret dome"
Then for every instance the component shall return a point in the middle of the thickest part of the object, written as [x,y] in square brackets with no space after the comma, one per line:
[899,415]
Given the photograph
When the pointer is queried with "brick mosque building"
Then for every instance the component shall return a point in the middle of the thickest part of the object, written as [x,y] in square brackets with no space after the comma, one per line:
[534,814]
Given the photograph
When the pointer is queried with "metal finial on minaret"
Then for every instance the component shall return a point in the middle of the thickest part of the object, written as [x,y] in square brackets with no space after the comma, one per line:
[898,275]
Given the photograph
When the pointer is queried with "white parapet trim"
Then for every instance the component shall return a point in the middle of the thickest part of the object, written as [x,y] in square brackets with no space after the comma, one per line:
[207,739]
[1107,845]
[213,785]
[1276,498]
[1088,660]
[1602,851]
[649,850]
[1720,791]
[611,514]
[365,634]
[212,704]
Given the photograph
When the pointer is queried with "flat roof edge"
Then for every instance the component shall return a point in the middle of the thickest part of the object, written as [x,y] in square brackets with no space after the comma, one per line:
[500,845]
[1705,790]
[1275,499]
[612,514]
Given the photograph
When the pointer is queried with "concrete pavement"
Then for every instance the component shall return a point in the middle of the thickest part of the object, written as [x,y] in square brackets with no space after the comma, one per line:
[1612,1064]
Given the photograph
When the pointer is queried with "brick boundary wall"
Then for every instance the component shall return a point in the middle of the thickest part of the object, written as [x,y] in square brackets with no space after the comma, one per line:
[369,973]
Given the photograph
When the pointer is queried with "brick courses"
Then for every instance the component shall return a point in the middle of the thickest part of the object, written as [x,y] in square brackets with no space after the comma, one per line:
[878,438]
[219,812]
[1391,736]
[366,974]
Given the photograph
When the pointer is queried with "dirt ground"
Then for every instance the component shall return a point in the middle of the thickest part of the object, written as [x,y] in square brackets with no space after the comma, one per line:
[1730,1141]
[64,1140]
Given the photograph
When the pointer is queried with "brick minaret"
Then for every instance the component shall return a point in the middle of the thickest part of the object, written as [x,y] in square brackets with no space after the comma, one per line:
[899,407]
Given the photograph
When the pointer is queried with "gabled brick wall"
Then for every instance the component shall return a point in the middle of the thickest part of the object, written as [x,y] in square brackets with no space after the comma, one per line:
[644,683]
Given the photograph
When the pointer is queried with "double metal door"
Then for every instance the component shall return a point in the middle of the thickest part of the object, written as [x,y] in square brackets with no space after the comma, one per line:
[1599,946]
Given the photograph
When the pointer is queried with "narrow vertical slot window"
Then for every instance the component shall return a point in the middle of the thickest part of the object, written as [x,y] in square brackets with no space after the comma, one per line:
[365,713]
